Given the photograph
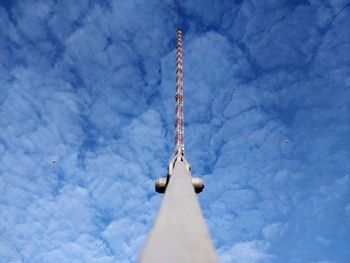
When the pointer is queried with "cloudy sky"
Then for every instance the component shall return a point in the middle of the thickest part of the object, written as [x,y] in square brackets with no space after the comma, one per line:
[86,125]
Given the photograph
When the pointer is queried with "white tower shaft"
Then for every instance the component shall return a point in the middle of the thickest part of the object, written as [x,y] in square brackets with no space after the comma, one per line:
[180,234]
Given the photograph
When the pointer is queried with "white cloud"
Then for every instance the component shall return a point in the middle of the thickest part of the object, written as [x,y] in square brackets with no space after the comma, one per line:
[247,252]
[273,231]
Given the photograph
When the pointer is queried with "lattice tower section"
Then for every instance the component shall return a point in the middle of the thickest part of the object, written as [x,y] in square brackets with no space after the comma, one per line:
[179,113]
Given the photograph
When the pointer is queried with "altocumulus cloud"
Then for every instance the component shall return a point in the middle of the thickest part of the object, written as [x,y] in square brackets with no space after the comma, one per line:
[86,120]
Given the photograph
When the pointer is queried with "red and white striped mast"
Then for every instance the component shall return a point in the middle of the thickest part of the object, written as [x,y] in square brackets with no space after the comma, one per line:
[179,104]
[179,152]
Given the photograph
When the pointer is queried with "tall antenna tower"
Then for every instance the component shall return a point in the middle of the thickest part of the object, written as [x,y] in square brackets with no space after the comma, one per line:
[179,151]
[179,104]
[180,234]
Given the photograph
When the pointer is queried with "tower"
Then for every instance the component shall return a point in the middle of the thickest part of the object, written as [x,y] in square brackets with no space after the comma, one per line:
[179,104]
[179,150]
[180,234]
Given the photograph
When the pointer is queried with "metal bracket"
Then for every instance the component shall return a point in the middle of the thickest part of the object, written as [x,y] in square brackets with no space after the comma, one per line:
[161,183]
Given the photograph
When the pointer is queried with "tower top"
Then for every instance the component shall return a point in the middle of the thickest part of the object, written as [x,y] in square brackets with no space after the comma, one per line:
[179,113]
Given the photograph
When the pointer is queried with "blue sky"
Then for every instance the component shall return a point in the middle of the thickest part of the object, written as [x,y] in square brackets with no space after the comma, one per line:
[91,85]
